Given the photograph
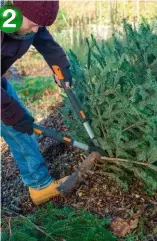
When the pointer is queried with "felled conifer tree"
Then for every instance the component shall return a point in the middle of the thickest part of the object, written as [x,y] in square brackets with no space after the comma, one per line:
[117,86]
[56,224]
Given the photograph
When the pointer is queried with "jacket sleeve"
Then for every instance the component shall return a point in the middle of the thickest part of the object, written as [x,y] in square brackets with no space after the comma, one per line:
[11,111]
[50,50]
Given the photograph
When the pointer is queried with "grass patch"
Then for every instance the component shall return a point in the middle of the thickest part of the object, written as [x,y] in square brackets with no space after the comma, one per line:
[33,88]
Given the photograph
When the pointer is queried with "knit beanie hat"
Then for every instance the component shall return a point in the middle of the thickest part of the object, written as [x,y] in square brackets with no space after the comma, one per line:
[42,13]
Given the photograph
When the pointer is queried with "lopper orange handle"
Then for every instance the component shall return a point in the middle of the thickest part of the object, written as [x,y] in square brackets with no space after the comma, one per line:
[57,71]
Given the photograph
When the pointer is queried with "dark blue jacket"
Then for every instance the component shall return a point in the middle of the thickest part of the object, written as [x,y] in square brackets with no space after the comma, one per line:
[11,50]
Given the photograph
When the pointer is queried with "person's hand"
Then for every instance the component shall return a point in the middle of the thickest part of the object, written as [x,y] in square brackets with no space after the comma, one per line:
[67,78]
[25,125]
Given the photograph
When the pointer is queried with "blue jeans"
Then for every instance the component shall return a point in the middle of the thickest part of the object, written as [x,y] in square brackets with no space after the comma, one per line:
[26,153]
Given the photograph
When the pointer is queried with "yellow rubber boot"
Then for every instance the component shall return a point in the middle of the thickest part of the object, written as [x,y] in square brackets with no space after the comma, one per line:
[39,196]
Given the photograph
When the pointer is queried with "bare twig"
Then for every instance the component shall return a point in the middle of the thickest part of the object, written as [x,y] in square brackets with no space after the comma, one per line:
[9,224]
[109,159]
[134,125]
[39,229]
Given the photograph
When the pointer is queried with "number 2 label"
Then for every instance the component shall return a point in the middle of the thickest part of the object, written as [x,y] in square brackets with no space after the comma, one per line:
[7,23]
[10,19]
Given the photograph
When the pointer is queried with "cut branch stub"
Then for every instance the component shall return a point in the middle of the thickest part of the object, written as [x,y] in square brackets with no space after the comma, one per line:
[74,180]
